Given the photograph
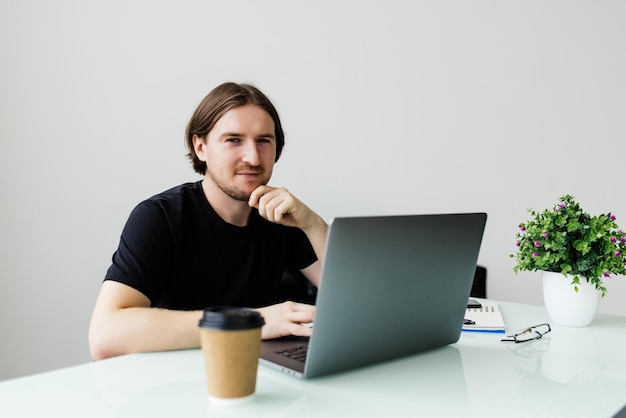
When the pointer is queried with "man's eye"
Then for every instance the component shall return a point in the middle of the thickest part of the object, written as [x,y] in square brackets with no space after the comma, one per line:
[233,140]
[265,140]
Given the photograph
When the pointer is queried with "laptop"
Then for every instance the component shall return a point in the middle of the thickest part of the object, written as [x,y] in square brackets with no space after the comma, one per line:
[391,286]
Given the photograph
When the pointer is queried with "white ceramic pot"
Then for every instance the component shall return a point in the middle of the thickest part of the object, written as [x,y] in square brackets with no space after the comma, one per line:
[565,306]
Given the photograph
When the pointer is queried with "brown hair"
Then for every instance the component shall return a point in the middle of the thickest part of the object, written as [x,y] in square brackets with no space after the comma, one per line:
[219,101]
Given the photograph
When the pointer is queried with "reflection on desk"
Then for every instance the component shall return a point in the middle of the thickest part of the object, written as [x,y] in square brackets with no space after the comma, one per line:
[572,372]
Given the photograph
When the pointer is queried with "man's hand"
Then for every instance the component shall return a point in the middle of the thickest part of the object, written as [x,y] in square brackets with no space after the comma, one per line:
[278,205]
[286,319]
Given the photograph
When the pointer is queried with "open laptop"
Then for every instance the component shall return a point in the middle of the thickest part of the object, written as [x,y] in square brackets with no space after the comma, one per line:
[391,286]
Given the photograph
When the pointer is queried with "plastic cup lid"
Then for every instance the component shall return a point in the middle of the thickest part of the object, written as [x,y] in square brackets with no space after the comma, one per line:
[231,318]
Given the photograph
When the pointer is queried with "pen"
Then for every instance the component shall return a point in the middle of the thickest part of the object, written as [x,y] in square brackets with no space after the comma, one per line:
[468,322]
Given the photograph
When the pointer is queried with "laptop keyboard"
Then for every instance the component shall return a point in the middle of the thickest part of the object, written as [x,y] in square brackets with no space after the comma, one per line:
[295,353]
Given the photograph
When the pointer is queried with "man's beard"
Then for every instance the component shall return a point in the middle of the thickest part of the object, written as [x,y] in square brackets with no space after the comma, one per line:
[233,191]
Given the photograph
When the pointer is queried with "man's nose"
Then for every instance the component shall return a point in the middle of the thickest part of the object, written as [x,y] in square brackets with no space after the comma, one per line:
[251,153]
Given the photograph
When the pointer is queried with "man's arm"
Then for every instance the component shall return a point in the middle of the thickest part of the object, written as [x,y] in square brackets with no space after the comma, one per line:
[123,322]
[278,205]
[317,238]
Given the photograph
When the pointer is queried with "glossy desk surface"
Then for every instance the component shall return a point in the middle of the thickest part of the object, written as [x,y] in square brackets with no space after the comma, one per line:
[572,372]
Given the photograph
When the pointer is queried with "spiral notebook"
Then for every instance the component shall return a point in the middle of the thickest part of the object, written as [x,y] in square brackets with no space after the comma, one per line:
[487,318]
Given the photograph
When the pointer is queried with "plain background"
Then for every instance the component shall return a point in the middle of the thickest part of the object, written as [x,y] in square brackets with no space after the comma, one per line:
[390,107]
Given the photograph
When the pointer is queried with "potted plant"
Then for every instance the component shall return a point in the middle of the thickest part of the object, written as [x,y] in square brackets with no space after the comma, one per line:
[568,242]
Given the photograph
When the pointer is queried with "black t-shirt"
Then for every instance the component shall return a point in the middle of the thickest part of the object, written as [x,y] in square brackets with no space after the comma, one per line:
[178,252]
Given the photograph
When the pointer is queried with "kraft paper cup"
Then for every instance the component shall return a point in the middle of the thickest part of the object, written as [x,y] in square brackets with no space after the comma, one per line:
[231,342]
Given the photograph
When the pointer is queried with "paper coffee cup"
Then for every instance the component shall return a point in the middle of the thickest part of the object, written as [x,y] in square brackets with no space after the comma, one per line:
[231,342]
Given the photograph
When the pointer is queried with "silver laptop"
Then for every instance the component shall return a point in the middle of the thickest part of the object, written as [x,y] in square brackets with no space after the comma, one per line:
[391,286]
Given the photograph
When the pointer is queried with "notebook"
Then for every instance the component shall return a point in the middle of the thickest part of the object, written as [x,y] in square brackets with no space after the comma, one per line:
[391,286]
[487,318]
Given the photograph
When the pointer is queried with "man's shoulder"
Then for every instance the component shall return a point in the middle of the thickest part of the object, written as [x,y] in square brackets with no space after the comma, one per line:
[181,198]
[178,192]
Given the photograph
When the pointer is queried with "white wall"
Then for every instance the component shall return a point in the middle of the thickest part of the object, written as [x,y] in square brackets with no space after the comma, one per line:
[390,107]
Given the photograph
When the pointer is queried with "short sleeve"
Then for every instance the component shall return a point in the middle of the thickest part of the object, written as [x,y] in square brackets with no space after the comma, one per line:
[144,256]
[302,252]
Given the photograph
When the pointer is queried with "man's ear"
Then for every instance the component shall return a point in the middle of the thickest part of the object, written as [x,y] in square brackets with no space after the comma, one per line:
[199,147]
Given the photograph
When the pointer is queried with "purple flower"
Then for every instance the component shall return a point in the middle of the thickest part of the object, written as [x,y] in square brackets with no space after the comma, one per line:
[522,227]
[535,254]
[612,239]
[613,217]
[537,244]
[544,234]
[623,239]
[606,275]
[519,244]
[617,253]
[562,204]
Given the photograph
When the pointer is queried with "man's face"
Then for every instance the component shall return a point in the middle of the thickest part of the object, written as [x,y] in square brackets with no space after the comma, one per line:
[239,151]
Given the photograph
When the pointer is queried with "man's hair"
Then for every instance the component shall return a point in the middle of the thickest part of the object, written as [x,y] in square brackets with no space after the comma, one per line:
[220,100]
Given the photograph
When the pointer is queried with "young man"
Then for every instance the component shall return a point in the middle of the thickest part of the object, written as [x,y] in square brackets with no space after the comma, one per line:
[225,240]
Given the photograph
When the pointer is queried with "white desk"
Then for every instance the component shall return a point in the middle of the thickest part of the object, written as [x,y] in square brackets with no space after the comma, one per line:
[572,372]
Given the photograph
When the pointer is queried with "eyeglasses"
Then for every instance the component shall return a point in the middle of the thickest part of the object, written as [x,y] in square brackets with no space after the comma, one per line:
[531,333]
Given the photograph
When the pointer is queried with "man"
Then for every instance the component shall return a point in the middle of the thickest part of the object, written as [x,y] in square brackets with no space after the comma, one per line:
[225,240]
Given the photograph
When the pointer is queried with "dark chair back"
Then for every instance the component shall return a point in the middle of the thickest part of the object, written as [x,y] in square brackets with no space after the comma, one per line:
[479,287]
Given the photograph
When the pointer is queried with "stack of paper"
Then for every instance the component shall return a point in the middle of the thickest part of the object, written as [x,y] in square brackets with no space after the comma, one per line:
[484,319]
